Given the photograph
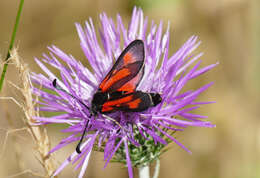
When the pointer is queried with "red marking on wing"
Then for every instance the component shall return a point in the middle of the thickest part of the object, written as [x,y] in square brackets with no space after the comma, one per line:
[131,85]
[114,78]
[128,58]
[107,109]
[132,54]
[108,106]
[102,84]
[119,101]
[137,101]
[134,104]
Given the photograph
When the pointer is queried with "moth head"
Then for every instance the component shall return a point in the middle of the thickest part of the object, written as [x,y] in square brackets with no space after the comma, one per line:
[156,98]
[98,100]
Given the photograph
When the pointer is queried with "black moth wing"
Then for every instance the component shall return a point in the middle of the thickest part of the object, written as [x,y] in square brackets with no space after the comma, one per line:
[127,72]
[133,102]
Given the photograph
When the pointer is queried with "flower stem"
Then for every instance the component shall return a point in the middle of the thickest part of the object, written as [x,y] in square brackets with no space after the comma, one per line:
[156,169]
[11,43]
[144,172]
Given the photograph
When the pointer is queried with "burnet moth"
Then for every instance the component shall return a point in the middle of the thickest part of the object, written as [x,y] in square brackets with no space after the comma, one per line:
[117,91]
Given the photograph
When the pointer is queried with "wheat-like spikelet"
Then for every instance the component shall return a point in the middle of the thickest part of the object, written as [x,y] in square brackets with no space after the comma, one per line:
[38,132]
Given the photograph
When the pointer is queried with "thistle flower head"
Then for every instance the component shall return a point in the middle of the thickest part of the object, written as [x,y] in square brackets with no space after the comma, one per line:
[126,136]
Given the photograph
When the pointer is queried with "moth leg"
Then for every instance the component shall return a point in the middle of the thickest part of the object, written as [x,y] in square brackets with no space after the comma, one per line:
[113,120]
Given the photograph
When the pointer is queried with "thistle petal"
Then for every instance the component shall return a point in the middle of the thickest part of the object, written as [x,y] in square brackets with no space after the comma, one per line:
[125,135]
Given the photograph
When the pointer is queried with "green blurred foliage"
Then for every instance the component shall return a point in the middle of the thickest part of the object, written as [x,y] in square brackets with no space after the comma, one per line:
[150,4]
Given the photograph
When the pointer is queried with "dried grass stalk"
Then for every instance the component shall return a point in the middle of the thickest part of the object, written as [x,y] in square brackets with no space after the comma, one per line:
[39,133]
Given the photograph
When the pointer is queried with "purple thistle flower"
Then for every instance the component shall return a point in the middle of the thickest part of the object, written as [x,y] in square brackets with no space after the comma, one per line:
[172,114]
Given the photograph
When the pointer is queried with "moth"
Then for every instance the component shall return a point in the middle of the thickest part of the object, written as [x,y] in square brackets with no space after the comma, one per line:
[117,91]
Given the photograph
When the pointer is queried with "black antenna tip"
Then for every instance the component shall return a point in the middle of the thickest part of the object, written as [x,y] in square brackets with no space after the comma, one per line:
[81,139]
[54,83]
[78,149]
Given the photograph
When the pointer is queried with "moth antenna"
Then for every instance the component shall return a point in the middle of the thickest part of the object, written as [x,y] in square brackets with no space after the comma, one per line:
[54,83]
[81,139]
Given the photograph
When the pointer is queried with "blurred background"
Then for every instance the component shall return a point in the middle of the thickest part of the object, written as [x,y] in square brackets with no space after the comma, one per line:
[230,33]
